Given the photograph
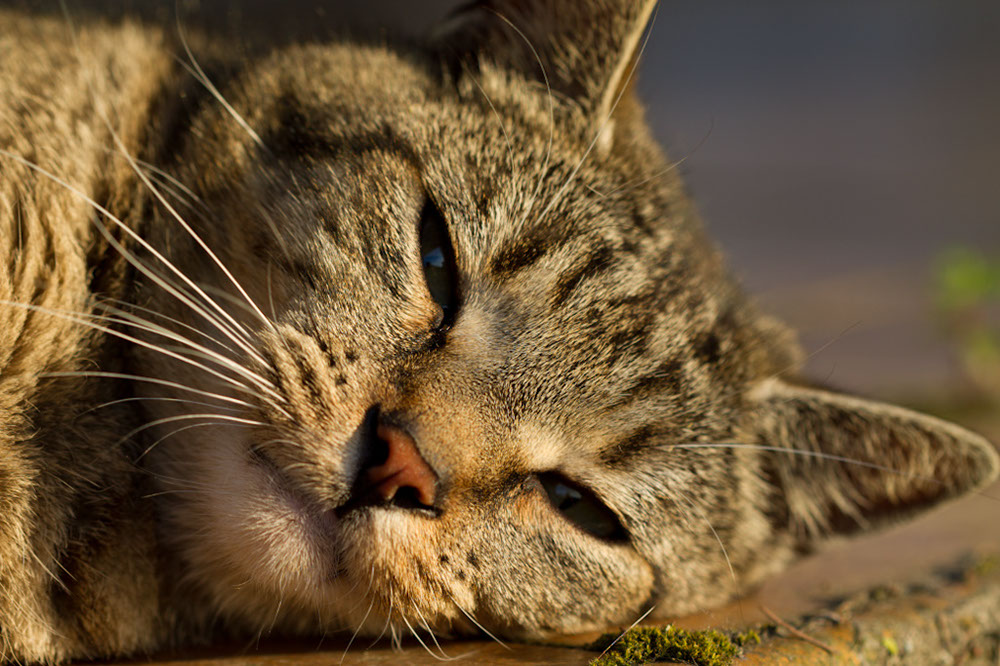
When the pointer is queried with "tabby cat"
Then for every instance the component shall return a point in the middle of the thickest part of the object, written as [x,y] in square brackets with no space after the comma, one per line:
[390,339]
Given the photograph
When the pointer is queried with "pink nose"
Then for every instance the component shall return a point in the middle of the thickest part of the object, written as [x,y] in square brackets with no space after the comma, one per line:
[403,468]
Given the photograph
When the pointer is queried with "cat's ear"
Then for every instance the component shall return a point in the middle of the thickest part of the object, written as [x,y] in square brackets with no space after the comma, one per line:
[586,50]
[841,464]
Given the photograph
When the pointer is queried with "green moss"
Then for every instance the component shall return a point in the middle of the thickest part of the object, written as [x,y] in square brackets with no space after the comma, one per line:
[890,645]
[644,644]
[747,637]
[986,566]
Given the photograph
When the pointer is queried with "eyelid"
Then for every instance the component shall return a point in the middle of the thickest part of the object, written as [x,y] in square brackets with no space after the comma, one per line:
[609,523]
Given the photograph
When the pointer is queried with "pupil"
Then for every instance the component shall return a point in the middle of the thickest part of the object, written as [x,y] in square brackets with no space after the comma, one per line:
[566,496]
[434,258]
[437,258]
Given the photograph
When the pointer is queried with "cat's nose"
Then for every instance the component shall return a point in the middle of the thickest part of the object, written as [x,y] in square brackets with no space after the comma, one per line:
[403,476]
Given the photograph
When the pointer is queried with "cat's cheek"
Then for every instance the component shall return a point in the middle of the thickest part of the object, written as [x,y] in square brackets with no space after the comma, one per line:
[255,528]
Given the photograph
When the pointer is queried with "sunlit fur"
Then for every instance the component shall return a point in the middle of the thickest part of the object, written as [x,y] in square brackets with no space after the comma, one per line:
[237,249]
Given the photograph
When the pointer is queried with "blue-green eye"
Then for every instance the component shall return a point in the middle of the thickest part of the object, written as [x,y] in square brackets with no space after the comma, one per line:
[582,508]
[437,257]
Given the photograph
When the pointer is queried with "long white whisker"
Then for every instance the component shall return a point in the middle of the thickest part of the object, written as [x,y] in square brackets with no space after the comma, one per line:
[230,328]
[142,343]
[127,307]
[120,401]
[430,632]
[670,167]
[174,181]
[151,380]
[725,553]
[388,619]
[132,259]
[358,630]
[420,640]
[191,232]
[503,128]
[604,124]
[202,78]
[552,113]
[225,418]
[476,622]
[784,449]
[171,191]
[221,359]
[145,179]
[630,628]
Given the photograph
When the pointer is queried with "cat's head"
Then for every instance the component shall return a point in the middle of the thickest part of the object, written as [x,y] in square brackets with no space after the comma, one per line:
[482,366]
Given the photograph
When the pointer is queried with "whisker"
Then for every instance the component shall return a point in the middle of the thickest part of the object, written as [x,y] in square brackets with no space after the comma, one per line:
[670,167]
[231,328]
[630,628]
[604,124]
[416,635]
[151,380]
[476,622]
[135,261]
[202,78]
[784,449]
[388,618]
[814,454]
[155,398]
[125,306]
[206,353]
[194,235]
[192,196]
[156,193]
[503,128]
[224,418]
[430,632]
[358,630]
[722,546]
[142,343]
[551,101]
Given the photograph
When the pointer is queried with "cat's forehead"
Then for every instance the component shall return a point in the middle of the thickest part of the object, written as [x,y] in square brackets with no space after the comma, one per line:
[558,237]
[501,146]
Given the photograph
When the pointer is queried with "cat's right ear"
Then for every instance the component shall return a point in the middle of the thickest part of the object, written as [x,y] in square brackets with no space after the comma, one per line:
[839,464]
[584,50]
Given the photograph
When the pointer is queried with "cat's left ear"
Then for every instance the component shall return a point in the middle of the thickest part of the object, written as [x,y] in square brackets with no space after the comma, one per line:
[839,464]
[585,49]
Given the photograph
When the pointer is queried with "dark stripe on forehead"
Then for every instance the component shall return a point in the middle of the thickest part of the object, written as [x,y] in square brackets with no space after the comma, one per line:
[595,262]
[303,133]
[525,249]
[668,378]
[628,446]
[517,256]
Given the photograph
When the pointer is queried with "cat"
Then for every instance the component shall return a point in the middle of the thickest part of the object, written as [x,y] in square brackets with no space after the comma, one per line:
[374,338]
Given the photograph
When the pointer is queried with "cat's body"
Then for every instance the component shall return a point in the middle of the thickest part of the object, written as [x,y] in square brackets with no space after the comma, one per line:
[461,286]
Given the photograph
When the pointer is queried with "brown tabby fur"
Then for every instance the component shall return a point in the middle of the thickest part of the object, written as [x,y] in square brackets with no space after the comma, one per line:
[599,336]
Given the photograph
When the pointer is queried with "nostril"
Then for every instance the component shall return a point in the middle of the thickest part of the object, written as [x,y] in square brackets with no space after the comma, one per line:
[403,476]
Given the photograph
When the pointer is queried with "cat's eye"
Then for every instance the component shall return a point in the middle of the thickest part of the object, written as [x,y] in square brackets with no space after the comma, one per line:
[438,259]
[582,507]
